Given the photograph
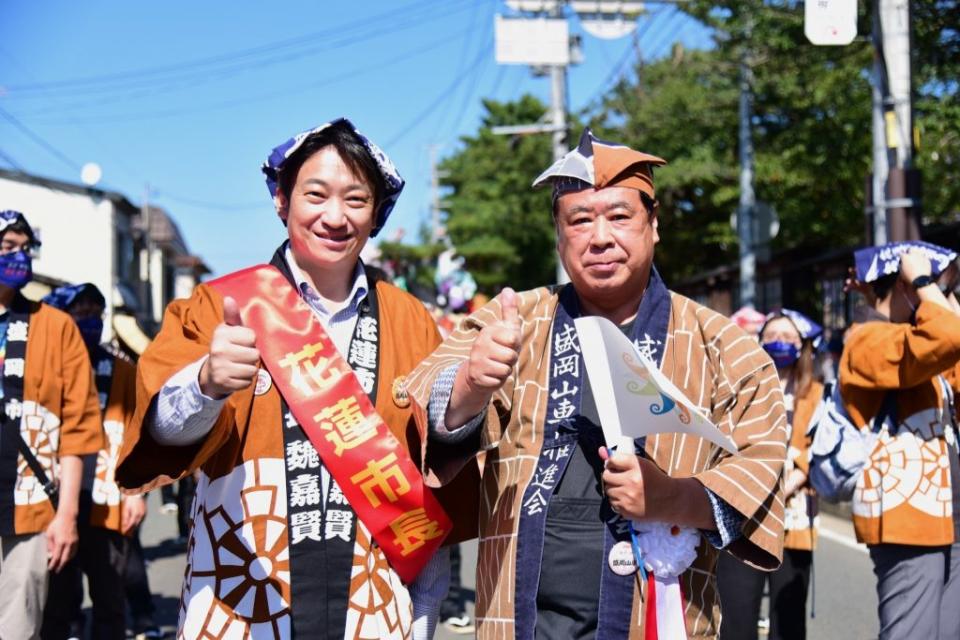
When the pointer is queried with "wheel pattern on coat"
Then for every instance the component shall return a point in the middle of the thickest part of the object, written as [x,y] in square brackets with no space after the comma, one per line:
[238,578]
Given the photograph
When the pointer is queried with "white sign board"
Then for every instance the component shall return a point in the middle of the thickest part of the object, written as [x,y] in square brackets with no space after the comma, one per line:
[830,22]
[532,41]
[633,398]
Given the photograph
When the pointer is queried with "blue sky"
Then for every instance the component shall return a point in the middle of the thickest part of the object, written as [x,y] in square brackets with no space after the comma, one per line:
[189,97]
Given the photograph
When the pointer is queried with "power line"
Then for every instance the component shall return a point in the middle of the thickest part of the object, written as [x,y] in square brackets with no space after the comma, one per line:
[461,67]
[10,161]
[617,70]
[260,97]
[413,124]
[471,90]
[670,34]
[205,204]
[195,64]
[224,65]
[40,141]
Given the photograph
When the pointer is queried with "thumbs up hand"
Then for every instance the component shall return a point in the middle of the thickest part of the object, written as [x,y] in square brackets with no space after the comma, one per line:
[492,357]
[233,361]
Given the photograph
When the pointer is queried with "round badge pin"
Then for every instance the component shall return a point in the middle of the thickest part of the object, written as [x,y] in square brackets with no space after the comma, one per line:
[400,396]
[264,382]
[621,559]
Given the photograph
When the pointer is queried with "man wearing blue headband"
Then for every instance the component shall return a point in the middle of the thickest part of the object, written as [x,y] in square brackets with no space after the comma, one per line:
[906,502]
[283,385]
[49,420]
[106,518]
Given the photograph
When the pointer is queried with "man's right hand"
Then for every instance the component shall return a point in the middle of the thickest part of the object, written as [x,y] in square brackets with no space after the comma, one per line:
[491,361]
[233,360]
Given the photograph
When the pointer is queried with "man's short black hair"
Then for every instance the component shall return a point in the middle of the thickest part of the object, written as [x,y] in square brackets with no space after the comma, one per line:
[883,286]
[21,226]
[351,150]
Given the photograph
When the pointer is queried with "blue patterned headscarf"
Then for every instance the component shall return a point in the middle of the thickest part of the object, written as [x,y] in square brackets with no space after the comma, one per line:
[393,183]
[807,328]
[9,217]
[874,263]
[63,297]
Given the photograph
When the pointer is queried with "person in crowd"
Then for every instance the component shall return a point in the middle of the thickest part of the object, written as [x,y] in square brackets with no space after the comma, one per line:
[106,518]
[555,558]
[906,499]
[137,589]
[790,339]
[50,419]
[453,609]
[284,386]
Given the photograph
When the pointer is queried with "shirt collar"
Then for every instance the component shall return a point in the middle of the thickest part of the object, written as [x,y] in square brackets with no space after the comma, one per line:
[358,289]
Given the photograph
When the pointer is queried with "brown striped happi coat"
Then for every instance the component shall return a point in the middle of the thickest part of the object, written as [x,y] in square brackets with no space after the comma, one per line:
[718,366]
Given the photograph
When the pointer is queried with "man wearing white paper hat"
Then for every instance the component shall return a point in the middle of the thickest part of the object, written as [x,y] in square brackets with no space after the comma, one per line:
[905,506]
[556,558]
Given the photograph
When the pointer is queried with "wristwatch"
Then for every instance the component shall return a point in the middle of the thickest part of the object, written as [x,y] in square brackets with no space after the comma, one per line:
[923,281]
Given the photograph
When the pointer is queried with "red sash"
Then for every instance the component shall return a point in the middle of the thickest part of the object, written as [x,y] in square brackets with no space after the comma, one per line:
[374,471]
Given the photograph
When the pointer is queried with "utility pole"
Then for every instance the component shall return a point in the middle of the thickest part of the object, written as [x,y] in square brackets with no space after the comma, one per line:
[544,42]
[748,201]
[146,261]
[558,104]
[877,198]
[896,183]
[435,194]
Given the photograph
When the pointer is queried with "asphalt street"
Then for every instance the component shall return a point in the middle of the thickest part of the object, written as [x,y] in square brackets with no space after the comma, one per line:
[845,599]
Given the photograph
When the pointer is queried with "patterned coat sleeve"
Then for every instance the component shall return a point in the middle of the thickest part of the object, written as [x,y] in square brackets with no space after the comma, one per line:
[442,461]
[185,336]
[748,405]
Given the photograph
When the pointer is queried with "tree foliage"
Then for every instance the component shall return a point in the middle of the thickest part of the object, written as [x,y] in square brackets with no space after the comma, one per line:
[811,135]
[501,226]
[810,129]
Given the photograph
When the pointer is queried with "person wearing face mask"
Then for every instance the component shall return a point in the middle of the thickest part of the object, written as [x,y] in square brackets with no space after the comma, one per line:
[50,419]
[790,339]
[106,518]
[905,505]
[284,386]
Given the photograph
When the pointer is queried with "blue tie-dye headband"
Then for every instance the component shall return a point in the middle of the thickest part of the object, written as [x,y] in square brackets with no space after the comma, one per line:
[807,328]
[63,297]
[393,183]
[874,263]
[9,217]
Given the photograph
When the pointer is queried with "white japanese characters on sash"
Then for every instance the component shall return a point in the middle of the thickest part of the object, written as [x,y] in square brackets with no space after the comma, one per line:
[363,352]
[310,516]
[565,377]
[649,347]
[545,479]
[14,367]
[565,365]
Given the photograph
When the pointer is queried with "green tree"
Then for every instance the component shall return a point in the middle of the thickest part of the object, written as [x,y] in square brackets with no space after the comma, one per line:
[811,133]
[936,65]
[501,226]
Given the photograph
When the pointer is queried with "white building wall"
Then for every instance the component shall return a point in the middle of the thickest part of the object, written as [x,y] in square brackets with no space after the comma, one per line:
[77,232]
[184,285]
[157,283]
